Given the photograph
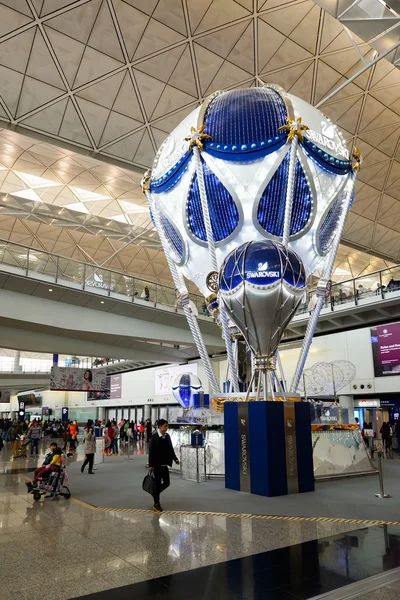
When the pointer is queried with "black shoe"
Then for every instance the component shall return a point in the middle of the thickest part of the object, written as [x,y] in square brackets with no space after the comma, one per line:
[91,473]
[29,485]
[157,507]
[82,469]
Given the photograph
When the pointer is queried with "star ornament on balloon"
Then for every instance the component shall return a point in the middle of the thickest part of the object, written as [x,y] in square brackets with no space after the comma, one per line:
[294,128]
[197,137]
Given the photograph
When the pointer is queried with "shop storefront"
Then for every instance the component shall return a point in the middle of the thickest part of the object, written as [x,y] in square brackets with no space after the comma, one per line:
[385,409]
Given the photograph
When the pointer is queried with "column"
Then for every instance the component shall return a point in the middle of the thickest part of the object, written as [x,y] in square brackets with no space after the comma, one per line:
[17,368]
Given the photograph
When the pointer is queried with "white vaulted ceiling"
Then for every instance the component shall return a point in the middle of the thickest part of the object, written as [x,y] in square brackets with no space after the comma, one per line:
[109,79]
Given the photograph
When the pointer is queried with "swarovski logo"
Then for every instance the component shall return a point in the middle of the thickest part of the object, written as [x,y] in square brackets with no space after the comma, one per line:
[262,266]
[243,422]
[243,440]
[98,282]
[324,139]
[262,272]
[289,423]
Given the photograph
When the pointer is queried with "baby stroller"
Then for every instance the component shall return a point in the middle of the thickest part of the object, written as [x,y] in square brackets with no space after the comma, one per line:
[55,485]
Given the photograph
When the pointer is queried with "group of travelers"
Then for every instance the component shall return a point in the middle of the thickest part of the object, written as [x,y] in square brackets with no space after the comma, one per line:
[161,451]
[23,435]
[124,432]
[388,431]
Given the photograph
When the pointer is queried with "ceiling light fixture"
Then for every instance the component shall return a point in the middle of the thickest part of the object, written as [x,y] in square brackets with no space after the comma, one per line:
[50,289]
[102,302]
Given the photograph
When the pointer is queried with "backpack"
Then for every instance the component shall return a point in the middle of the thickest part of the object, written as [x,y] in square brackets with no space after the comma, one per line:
[11,434]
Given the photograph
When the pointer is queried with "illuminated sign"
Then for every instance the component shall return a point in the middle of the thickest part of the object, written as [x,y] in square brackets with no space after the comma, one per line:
[326,139]
[262,272]
[373,403]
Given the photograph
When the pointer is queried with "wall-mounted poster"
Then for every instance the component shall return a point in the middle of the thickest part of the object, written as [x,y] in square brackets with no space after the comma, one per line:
[77,380]
[385,341]
[165,377]
[116,387]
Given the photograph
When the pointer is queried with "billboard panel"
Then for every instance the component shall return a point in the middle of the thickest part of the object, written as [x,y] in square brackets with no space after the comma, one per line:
[112,390]
[77,380]
[116,387]
[385,340]
[104,395]
[4,396]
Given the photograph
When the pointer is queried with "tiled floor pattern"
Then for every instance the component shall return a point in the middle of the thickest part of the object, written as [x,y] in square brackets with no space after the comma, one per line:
[61,549]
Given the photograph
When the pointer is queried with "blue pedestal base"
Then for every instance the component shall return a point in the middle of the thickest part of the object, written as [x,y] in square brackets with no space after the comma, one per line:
[268,448]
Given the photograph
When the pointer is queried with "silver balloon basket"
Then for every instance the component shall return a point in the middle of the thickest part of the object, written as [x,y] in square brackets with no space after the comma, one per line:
[264,381]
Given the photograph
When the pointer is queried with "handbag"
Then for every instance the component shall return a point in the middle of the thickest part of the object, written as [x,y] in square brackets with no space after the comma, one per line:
[149,484]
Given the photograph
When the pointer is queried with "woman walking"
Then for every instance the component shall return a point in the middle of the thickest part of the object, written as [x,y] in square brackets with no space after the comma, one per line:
[90,449]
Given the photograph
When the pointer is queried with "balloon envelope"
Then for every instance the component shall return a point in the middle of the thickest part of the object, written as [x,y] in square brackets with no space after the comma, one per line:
[245,168]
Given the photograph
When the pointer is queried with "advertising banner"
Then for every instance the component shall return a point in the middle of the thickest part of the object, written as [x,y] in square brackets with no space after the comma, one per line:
[104,395]
[65,414]
[385,341]
[116,387]
[77,380]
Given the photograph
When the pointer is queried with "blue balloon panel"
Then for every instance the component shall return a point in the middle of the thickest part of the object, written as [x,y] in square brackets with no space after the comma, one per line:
[328,226]
[231,272]
[244,116]
[173,237]
[224,214]
[271,208]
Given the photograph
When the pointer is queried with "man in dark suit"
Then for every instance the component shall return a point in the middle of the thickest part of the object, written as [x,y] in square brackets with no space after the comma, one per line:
[161,455]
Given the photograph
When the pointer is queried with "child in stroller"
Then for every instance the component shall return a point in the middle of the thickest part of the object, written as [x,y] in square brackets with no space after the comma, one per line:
[47,460]
[50,478]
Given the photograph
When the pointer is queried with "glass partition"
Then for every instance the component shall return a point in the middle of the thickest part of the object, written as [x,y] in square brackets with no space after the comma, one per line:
[391,279]
[14,255]
[121,284]
[42,262]
[367,286]
[71,270]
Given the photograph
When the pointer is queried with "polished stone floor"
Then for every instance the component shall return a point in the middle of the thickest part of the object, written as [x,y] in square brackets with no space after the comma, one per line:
[388,592]
[62,549]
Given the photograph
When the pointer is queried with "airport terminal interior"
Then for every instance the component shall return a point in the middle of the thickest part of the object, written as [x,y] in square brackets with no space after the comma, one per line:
[200,299]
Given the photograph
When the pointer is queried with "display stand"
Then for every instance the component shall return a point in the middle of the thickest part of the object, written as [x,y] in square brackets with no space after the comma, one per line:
[99,454]
[268,448]
[193,461]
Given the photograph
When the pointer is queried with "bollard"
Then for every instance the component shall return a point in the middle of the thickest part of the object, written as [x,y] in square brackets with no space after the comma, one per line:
[382,491]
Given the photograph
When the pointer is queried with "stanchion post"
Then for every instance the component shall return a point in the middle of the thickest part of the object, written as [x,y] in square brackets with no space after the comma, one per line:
[382,491]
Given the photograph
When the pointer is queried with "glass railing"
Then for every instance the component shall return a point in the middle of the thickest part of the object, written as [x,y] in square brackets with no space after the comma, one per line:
[83,276]
[365,289]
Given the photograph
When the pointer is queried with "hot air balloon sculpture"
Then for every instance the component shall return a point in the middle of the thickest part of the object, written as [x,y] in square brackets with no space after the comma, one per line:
[250,165]
[261,284]
[184,388]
